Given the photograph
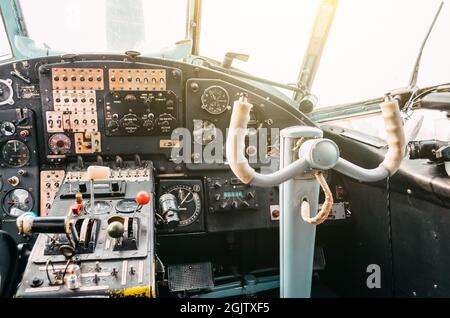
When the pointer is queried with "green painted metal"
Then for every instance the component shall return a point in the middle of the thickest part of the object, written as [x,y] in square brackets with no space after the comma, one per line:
[331,113]
[297,238]
[14,23]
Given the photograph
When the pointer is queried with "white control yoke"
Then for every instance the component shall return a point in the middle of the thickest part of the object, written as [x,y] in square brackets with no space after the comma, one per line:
[314,154]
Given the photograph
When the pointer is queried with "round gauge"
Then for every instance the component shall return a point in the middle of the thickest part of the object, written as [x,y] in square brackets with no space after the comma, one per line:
[59,144]
[7,128]
[17,202]
[15,153]
[6,92]
[126,206]
[215,100]
[189,203]
[204,132]
[100,207]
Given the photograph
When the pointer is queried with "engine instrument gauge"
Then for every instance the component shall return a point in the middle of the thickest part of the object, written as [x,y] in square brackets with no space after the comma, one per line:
[17,202]
[204,132]
[59,144]
[189,203]
[215,100]
[127,206]
[7,128]
[15,153]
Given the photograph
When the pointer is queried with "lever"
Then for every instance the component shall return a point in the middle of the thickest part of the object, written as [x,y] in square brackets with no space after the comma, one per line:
[230,57]
[96,173]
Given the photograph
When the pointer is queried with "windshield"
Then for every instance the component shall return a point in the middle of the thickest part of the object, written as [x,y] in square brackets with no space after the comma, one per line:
[371,48]
[373,45]
[274,33]
[106,25]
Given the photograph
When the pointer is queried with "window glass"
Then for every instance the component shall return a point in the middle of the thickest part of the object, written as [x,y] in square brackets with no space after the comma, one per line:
[436,125]
[373,46]
[5,48]
[274,33]
[106,25]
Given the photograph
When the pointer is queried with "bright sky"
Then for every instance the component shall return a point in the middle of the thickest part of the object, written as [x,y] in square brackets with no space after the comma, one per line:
[371,48]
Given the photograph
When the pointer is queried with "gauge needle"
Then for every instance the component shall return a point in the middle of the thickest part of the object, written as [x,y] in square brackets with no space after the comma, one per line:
[184,199]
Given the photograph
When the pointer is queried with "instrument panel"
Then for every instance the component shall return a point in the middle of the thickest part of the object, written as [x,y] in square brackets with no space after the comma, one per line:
[95,109]
[18,166]
[89,107]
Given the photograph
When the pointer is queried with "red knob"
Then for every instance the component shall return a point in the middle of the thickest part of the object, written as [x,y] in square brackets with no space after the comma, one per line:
[142,197]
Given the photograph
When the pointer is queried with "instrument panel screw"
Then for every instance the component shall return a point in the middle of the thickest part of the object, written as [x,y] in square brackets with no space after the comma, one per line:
[194,87]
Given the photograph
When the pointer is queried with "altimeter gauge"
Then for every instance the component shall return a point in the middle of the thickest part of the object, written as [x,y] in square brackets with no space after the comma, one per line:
[215,100]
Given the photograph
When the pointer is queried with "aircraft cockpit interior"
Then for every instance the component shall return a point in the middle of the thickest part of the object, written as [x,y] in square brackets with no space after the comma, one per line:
[188,149]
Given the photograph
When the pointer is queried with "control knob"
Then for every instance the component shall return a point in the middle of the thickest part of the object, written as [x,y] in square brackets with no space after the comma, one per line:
[113,125]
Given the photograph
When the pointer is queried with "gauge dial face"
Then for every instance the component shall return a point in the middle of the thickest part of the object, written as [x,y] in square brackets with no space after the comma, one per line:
[100,207]
[204,132]
[15,153]
[59,144]
[127,206]
[215,100]
[17,202]
[6,92]
[7,128]
[189,203]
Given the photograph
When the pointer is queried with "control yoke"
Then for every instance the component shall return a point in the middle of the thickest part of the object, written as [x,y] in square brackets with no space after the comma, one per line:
[304,154]
[314,154]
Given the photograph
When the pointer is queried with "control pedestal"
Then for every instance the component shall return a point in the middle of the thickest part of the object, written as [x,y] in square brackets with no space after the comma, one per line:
[106,252]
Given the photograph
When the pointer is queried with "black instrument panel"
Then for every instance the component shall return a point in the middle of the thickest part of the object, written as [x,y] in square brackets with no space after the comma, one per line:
[91,107]
[95,107]
[19,170]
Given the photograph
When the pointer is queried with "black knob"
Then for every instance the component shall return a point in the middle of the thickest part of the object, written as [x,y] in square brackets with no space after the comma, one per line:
[217,185]
[115,186]
[223,205]
[250,195]
[113,124]
[245,204]
[82,188]
[234,204]
[217,197]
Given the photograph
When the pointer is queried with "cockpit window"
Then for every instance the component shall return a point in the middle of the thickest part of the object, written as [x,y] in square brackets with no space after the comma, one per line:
[106,25]
[274,33]
[5,48]
[373,45]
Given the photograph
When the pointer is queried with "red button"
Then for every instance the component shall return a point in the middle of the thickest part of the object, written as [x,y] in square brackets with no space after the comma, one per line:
[142,198]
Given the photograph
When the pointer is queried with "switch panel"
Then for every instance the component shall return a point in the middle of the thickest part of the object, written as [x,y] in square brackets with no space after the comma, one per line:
[137,79]
[51,181]
[55,121]
[82,122]
[74,101]
[87,143]
[77,79]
